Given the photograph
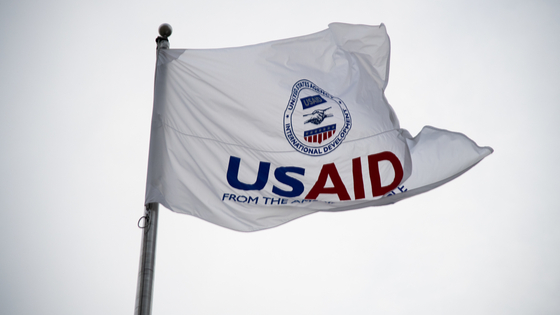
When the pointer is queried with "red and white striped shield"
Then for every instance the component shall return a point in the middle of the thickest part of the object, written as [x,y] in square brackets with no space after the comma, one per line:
[319,135]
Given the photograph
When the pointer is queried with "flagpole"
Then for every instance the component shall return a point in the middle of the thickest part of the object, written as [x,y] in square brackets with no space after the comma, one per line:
[148,251]
[147,261]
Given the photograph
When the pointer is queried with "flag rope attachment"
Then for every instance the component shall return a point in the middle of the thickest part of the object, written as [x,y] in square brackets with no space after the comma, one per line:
[146,218]
[146,269]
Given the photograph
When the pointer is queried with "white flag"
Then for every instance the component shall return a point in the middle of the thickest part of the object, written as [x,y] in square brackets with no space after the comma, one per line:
[253,137]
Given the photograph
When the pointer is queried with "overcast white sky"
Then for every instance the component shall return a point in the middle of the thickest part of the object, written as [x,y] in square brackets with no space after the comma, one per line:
[76,84]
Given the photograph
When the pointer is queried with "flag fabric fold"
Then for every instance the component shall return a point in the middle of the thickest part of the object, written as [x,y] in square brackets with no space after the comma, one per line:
[252,137]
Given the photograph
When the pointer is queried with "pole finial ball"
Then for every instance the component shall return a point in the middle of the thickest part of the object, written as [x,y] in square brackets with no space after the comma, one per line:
[165,30]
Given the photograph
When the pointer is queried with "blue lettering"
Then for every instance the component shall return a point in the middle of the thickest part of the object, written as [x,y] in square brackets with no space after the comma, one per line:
[233,173]
[281,176]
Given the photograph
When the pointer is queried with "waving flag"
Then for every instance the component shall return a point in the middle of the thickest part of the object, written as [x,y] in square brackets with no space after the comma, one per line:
[252,137]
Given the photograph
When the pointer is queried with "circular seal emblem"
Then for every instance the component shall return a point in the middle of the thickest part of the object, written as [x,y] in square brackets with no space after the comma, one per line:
[315,122]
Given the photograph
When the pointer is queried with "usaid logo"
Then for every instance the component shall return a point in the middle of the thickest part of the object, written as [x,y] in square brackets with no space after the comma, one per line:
[315,122]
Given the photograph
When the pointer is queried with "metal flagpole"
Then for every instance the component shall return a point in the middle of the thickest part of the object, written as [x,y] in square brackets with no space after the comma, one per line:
[148,252]
[147,261]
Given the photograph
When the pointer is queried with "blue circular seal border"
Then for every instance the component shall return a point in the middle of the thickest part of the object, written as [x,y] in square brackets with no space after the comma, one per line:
[289,130]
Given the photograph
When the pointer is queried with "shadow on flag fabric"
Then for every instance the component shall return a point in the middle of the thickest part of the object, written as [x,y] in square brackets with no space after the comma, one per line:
[252,137]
